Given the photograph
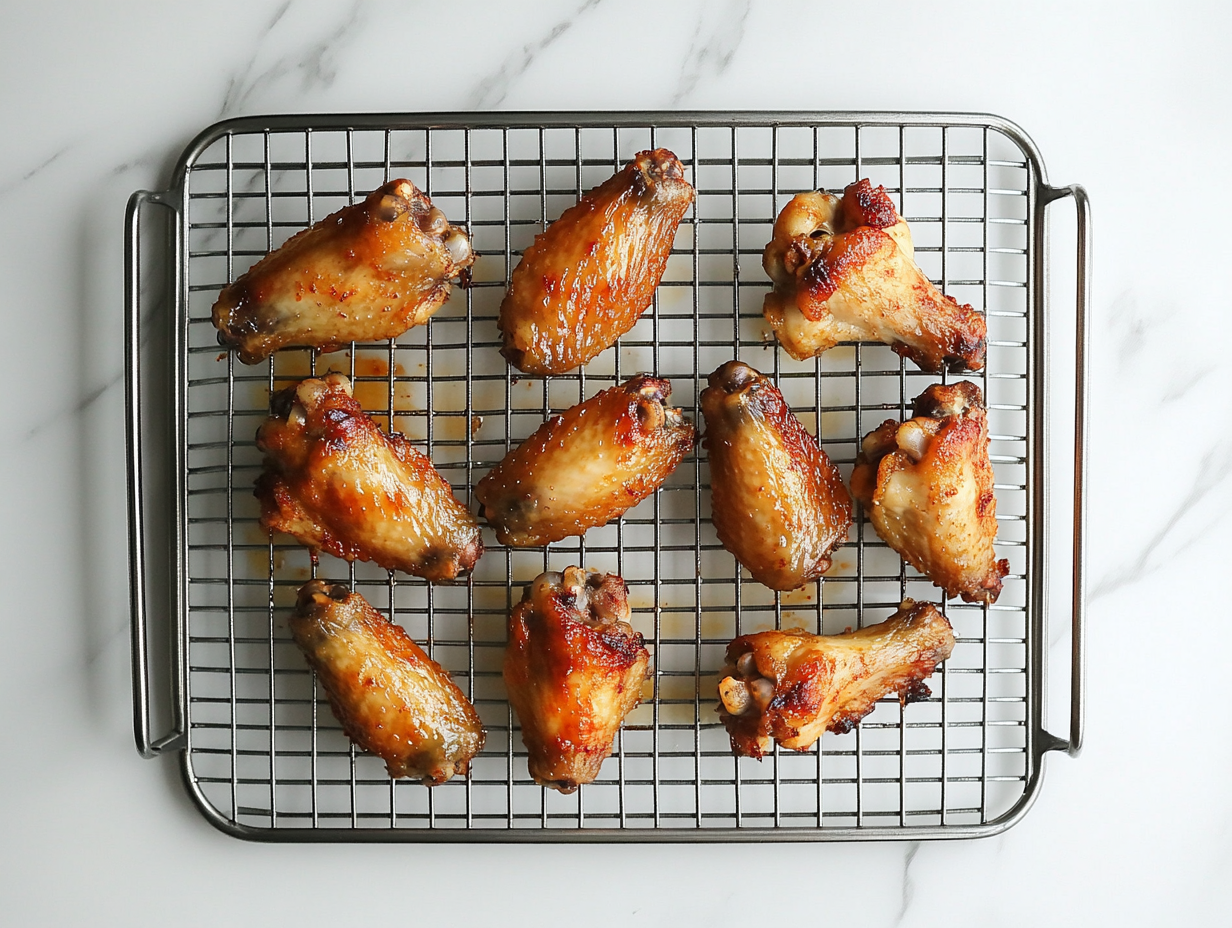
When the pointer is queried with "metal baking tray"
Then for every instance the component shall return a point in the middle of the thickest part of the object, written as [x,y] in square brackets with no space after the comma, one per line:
[261,754]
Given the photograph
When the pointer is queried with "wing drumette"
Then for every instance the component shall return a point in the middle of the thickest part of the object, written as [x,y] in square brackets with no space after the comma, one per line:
[339,484]
[391,698]
[927,488]
[591,274]
[586,466]
[365,273]
[779,504]
[574,669]
[844,270]
[790,687]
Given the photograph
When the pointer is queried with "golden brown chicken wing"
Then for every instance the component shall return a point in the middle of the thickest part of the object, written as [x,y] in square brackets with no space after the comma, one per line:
[789,687]
[779,504]
[927,488]
[391,698]
[589,277]
[339,484]
[574,669]
[365,273]
[586,466]
[844,270]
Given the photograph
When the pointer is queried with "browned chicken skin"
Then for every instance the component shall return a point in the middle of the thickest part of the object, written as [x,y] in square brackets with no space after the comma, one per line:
[591,274]
[927,486]
[779,504]
[391,698]
[339,484]
[365,273]
[791,686]
[574,669]
[844,270]
[586,466]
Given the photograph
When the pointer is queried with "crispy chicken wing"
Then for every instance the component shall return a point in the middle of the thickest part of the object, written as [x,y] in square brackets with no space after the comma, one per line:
[365,273]
[586,466]
[789,687]
[339,484]
[927,488]
[574,669]
[589,277]
[779,504]
[844,270]
[391,698]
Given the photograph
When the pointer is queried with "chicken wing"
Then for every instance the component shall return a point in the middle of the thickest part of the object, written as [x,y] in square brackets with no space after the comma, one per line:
[365,273]
[927,486]
[574,669]
[586,466]
[588,278]
[844,270]
[391,698]
[339,484]
[779,504]
[790,687]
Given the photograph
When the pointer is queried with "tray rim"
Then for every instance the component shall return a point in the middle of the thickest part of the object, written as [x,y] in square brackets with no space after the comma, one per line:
[1039,741]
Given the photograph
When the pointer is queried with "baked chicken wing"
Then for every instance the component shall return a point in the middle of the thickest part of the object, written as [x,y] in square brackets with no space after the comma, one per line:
[844,270]
[586,466]
[574,669]
[789,687]
[587,279]
[365,273]
[391,698]
[927,487]
[339,484]
[779,504]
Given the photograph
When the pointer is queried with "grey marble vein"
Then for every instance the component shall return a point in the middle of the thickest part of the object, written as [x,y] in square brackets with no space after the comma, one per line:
[35,171]
[719,32]
[908,885]
[316,61]
[1213,472]
[1180,387]
[82,404]
[491,90]
[1130,329]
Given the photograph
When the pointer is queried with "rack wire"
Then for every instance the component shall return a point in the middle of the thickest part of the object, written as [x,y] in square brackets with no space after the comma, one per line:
[264,756]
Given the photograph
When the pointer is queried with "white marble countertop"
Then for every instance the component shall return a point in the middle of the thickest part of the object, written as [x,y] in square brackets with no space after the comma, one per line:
[1130,100]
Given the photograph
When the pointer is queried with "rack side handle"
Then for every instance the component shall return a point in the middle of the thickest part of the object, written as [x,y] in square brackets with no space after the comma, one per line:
[147,745]
[1073,746]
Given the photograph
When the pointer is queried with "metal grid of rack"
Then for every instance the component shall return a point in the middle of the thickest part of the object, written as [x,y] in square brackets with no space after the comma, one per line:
[264,756]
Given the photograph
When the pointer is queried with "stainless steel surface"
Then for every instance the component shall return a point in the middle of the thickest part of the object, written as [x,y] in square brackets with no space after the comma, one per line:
[147,745]
[1078,601]
[264,758]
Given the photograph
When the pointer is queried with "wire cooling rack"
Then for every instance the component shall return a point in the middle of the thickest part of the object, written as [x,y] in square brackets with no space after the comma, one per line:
[262,754]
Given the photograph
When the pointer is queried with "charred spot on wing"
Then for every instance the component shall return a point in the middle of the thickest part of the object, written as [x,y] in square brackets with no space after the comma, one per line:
[316,595]
[991,587]
[659,165]
[389,207]
[733,377]
[282,401]
[941,401]
[511,353]
[441,563]
[469,555]
[866,205]
[513,510]
[842,724]
[924,361]
[915,691]
[821,279]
